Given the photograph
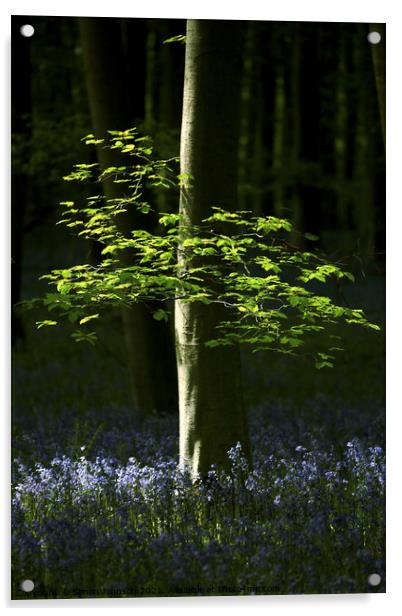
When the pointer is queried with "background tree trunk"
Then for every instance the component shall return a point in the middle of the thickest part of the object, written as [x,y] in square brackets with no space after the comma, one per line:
[247,102]
[21,131]
[150,72]
[296,127]
[364,157]
[149,343]
[258,155]
[212,414]
[278,145]
[378,54]
[340,141]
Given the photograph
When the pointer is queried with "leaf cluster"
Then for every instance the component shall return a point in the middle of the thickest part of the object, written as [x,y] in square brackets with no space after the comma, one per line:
[242,262]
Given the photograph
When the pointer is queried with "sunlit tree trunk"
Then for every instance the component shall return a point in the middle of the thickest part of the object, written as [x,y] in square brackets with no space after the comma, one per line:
[212,414]
[149,343]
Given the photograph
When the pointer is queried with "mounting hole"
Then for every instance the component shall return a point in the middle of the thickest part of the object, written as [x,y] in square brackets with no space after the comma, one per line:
[374,38]
[27,585]
[27,30]
[374,579]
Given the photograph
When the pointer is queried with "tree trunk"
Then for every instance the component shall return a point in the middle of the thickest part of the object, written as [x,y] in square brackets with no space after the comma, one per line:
[278,147]
[134,38]
[341,134]
[378,55]
[247,109]
[256,172]
[364,160]
[168,94]
[295,118]
[21,129]
[150,80]
[212,414]
[149,343]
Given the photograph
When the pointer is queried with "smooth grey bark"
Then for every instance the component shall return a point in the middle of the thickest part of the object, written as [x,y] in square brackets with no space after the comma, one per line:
[149,343]
[212,413]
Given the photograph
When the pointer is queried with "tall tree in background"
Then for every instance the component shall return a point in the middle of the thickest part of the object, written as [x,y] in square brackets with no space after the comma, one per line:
[279,58]
[378,53]
[21,133]
[340,137]
[278,142]
[251,141]
[258,150]
[115,105]
[296,126]
[364,158]
[247,108]
[212,413]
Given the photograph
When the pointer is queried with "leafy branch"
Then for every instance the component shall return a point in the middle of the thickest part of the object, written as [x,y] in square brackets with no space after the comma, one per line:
[240,261]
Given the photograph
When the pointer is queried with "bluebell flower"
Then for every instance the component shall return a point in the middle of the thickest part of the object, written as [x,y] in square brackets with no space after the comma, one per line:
[139,518]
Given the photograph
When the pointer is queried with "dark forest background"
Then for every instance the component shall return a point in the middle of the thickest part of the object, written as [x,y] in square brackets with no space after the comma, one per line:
[311,147]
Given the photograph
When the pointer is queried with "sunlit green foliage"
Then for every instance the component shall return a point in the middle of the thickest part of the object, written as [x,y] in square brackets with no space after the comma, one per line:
[243,262]
[179,38]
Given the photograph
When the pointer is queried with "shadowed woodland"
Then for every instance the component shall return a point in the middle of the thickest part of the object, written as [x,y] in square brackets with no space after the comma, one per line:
[151,462]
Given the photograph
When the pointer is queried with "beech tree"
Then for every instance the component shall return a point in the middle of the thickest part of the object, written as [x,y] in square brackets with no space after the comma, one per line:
[212,413]
[234,278]
[115,105]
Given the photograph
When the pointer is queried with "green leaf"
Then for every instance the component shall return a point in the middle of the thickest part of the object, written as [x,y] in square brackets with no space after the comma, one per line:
[339,311]
[81,336]
[169,219]
[89,318]
[323,364]
[63,287]
[294,300]
[179,38]
[161,315]
[212,344]
[311,237]
[45,323]
[72,317]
